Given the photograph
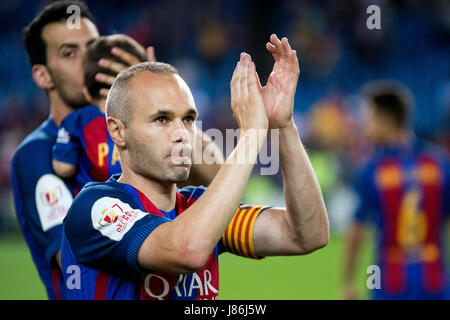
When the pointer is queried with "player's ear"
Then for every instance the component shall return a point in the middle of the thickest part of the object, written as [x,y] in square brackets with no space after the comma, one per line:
[88,96]
[116,130]
[42,76]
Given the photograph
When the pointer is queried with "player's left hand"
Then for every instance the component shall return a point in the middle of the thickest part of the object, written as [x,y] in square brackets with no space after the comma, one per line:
[279,92]
[116,67]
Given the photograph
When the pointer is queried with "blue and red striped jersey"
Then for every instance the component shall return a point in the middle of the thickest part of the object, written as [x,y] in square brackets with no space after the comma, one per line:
[405,192]
[41,200]
[83,140]
[107,224]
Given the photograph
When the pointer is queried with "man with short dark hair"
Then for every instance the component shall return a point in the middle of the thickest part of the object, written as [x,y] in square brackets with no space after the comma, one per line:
[390,110]
[56,51]
[137,236]
[41,198]
[84,147]
[404,191]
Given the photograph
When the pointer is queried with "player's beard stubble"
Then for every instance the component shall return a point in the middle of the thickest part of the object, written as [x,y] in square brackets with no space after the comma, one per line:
[69,93]
[153,163]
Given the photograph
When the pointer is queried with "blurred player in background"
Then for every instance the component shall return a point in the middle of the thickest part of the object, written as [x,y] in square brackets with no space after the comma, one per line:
[84,147]
[404,191]
[41,198]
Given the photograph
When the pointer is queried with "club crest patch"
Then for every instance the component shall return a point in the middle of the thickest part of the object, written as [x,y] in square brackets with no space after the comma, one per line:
[113,217]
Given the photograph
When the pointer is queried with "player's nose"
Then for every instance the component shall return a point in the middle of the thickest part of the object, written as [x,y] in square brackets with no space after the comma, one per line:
[180,134]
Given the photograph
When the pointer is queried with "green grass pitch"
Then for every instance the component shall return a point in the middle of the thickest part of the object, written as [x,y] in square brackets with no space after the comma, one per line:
[313,276]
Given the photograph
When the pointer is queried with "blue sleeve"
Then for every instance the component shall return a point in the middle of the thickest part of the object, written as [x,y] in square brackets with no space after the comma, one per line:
[105,229]
[365,191]
[41,198]
[68,146]
[191,191]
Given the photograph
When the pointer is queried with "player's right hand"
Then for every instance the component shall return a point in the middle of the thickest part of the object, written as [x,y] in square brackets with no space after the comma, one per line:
[246,100]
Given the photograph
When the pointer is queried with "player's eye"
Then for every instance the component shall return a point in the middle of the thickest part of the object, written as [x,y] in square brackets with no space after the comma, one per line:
[189,119]
[69,53]
[161,119]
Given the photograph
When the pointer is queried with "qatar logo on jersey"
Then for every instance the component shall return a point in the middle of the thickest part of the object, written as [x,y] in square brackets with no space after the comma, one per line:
[200,285]
[113,217]
[53,200]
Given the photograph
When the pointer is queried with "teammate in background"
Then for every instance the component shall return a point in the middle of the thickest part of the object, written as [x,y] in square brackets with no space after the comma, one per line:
[137,237]
[404,191]
[84,147]
[41,198]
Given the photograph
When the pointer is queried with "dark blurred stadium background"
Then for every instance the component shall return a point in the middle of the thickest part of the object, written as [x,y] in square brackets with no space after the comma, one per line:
[203,39]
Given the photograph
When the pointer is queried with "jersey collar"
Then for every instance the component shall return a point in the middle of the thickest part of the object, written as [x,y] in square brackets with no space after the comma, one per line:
[181,204]
[50,127]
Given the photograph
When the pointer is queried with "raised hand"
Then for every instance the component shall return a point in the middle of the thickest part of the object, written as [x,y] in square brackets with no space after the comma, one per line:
[246,100]
[279,92]
[116,67]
